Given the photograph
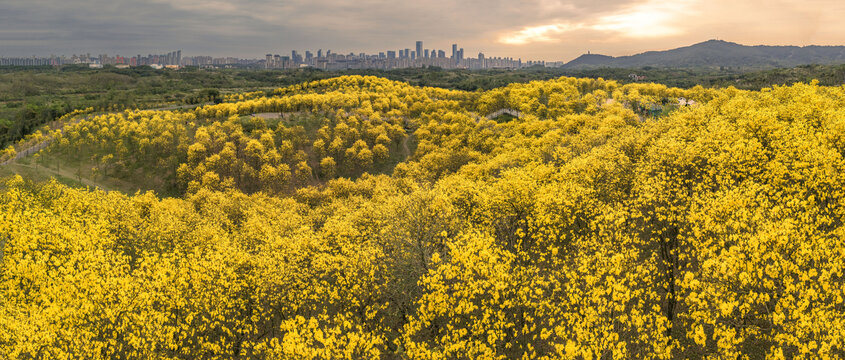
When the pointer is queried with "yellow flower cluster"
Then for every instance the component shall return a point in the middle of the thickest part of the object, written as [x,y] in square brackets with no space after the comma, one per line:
[584,229]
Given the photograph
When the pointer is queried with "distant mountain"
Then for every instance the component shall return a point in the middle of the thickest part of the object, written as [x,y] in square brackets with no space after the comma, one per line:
[714,53]
[591,60]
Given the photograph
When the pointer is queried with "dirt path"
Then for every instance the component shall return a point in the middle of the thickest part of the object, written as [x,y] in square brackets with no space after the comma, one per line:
[501,112]
[179,107]
[405,150]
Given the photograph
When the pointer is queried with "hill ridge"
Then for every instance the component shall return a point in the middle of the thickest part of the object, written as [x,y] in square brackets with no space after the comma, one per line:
[716,53]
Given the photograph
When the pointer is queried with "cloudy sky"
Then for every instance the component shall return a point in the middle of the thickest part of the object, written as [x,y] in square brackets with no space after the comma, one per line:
[530,29]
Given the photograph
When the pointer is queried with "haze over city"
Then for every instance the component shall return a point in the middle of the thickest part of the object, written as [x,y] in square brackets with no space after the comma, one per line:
[537,29]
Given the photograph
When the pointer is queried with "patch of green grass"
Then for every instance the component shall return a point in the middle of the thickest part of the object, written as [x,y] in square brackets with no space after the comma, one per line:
[504,118]
[81,173]
[396,155]
[37,174]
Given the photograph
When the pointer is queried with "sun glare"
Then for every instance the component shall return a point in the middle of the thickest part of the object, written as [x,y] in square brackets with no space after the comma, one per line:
[644,21]
[542,33]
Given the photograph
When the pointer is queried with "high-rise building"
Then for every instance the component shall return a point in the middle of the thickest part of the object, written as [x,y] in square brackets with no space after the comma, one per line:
[454,51]
[413,55]
[319,53]
[419,49]
[427,52]
[391,54]
[441,54]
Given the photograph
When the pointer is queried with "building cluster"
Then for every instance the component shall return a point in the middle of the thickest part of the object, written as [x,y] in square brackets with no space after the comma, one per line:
[208,61]
[171,59]
[392,59]
[31,61]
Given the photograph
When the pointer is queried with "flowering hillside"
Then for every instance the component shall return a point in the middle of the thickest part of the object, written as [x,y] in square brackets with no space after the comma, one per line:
[372,219]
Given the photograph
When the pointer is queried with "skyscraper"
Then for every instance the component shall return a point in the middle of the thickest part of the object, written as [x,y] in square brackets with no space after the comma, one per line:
[454,51]
[419,49]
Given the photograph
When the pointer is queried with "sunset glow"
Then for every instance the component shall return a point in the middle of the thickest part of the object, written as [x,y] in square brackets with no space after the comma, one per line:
[646,20]
[542,33]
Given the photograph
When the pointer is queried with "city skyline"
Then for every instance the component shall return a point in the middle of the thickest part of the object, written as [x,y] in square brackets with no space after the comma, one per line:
[388,59]
[548,30]
[392,59]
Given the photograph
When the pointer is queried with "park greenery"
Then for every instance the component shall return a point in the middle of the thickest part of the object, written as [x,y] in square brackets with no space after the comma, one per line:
[360,217]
